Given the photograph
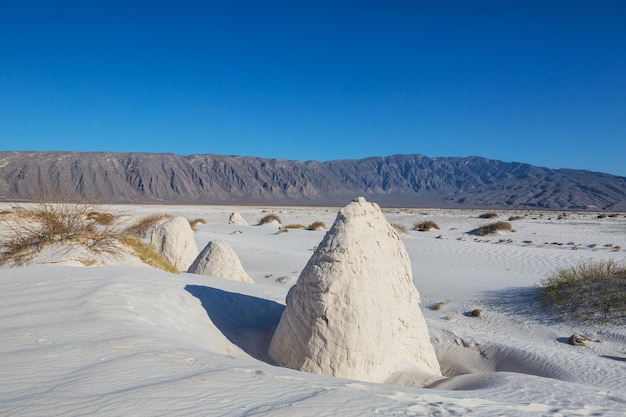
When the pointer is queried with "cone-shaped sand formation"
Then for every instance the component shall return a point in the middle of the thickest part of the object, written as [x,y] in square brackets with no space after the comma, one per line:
[218,259]
[237,218]
[175,241]
[354,311]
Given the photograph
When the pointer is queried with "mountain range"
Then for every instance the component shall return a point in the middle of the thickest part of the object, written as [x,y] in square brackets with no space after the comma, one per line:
[391,181]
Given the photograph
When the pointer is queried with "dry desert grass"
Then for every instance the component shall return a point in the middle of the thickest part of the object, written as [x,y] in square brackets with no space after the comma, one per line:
[588,292]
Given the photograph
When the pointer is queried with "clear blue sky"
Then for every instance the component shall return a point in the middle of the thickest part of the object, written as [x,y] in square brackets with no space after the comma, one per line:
[542,82]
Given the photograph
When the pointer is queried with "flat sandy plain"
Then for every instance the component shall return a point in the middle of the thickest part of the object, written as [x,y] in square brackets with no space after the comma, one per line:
[125,339]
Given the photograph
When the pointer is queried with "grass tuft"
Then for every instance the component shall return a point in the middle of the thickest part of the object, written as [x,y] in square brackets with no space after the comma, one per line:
[489,215]
[148,253]
[142,226]
[493,228]
[588,292]
[268,219]
[426,226]
[195,222]
[399,228]
[317,225]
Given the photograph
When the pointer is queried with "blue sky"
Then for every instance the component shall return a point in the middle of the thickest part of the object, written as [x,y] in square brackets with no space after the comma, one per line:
[542,82]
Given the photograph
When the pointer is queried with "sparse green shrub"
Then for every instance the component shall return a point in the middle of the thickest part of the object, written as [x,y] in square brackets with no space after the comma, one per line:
[268,219]
[588,292]
[142,226]
[426,226]
[489,215]
[194,223]
[493,228]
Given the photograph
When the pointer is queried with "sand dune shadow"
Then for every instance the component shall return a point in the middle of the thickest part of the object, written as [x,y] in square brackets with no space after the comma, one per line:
[248,322]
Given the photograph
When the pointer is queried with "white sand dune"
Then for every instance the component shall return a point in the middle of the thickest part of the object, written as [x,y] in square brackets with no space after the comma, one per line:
[126,339]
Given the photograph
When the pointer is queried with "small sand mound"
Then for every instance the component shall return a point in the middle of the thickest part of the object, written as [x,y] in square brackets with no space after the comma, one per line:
[218,259]
[354,311]
[174,239]
[237,218]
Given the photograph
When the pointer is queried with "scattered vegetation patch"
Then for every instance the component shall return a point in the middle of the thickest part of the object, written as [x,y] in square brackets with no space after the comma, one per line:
[440,305]
[148,253]
[426,226]
[318,225]
[513,218]
[142,226]
[5,212]
[101,217]
[195,222]
[477,312]
[269,219]
[588,292]
[31,228]
[489,215]
[295,226]
[493,228]
[399,228]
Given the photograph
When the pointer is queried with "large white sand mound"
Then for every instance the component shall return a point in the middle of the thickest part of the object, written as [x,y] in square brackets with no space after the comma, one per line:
[174,239]
[354,311]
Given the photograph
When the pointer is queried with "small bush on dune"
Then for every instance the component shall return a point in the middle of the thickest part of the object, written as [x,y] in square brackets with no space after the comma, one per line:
[268,219]
[317,226]
[101,218]
[493,228]
[489,215]
[295,226]
[399,228]
[142,226]
[4,212]
[588,292]
[195,222]
[426,226]
[29,229]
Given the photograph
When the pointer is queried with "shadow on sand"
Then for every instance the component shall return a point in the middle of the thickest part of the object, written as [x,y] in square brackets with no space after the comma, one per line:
[521,301]
[248,322]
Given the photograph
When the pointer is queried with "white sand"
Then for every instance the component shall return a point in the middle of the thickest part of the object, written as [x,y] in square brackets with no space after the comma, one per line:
[130,340]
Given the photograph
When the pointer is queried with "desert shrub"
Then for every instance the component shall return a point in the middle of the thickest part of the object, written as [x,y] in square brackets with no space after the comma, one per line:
[489,215]
[142,226]
[588,292]
[101,218]
[513,218]
[477,312]
[268,219]
[493,228]
[317,225]
[295,226]
[29,229]
[195,222]
[426,226]
[399,228]
[148,253]
[5,212]
[440,305]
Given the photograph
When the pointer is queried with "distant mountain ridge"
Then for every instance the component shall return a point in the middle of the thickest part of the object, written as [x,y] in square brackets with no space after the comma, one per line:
[393,181]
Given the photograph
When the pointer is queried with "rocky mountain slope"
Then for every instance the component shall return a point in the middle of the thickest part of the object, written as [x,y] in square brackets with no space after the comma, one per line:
[398,180]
